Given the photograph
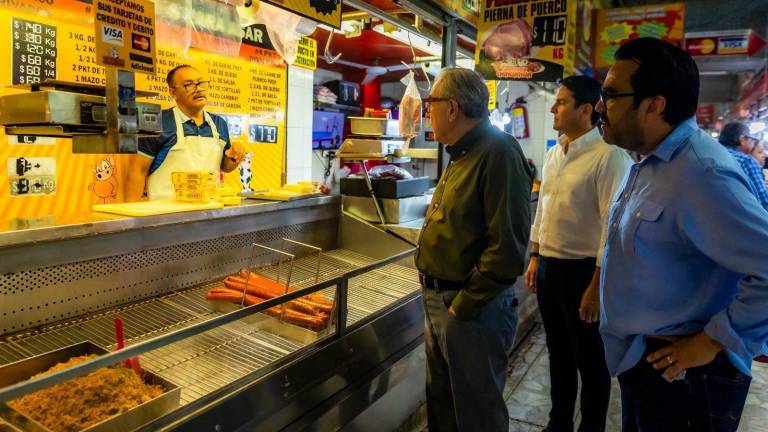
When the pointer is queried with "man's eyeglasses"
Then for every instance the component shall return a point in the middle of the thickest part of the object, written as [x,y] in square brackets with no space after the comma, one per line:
[430,100]
[200,85]
[606,94]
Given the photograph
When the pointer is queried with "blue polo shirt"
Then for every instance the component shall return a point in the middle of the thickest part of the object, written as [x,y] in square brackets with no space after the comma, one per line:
[157,148]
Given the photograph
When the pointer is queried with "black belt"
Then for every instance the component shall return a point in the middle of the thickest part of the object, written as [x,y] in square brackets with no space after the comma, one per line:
[438,285]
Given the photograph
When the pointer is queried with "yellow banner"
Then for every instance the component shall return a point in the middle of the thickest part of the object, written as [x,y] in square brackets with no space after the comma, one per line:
[616,26]
[125,34]
[323,11]
[307,53]
[491,94]
[249,91]
[525,41]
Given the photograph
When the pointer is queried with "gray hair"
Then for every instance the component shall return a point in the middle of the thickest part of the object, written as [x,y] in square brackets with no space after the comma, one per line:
[466,87]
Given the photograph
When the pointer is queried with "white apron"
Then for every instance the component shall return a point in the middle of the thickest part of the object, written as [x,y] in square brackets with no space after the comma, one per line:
[190,153]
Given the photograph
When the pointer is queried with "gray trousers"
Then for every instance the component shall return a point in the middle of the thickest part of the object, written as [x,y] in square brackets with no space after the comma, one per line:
[467,363]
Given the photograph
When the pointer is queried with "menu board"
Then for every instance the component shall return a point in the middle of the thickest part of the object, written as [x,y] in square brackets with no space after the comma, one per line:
[247,90]
[34,51]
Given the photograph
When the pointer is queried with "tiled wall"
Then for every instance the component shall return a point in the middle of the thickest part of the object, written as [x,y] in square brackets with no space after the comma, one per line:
[299,145]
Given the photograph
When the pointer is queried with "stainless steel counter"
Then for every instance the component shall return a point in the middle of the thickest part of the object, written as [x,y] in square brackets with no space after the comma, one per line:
[25,231]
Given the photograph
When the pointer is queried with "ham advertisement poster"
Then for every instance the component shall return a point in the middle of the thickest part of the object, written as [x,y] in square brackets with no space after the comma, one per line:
[523,40]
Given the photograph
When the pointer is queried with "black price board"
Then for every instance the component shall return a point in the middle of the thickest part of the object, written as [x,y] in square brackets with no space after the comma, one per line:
[34,51]
[263,134]
[549,30]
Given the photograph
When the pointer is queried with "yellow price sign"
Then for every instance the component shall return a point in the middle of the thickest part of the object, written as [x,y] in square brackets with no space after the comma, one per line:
[307,53]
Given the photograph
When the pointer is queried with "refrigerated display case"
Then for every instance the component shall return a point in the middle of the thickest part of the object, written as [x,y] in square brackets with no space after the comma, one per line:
[237,368]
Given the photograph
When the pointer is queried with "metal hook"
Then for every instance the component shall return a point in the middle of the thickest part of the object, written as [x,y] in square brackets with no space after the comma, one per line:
[327,54]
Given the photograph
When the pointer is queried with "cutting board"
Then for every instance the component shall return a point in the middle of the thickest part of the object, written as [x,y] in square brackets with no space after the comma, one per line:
[150,208]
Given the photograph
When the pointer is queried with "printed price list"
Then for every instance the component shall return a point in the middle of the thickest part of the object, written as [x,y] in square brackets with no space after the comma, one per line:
[34,51]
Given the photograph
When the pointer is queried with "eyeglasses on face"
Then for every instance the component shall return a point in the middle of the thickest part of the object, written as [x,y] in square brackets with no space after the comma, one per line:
[606,94]
[430,100]
[195,86]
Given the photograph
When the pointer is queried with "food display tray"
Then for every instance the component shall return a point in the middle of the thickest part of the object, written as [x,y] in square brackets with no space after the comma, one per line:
[127,421]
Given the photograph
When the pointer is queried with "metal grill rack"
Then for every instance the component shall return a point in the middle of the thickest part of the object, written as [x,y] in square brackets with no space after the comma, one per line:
[218,357]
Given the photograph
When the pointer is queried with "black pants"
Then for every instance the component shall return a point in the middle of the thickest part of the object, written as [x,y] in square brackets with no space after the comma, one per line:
[709,399]
[575,347]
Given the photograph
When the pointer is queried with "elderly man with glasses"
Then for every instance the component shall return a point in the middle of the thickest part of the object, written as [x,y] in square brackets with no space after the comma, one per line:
[192,140]
[471,250]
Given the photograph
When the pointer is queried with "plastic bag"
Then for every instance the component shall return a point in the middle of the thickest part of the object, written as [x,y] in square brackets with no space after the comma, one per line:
[410,109]
[174,23]
[284,29]
[213,26]
[216,27]
[389,172]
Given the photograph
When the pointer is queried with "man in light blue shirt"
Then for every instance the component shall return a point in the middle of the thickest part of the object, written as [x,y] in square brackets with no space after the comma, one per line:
[684,298]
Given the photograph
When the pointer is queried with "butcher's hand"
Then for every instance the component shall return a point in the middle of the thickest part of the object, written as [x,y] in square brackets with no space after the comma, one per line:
[685,352]
[530,274]
[235,152]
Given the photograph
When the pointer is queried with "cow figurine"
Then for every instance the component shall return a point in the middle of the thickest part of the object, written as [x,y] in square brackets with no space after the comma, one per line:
[245,172]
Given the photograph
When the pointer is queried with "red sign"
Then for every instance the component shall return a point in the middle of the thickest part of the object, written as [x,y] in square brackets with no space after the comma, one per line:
[705,114]
[738,42]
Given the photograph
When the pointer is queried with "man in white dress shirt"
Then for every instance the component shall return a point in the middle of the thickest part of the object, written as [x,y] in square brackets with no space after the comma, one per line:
[579,178]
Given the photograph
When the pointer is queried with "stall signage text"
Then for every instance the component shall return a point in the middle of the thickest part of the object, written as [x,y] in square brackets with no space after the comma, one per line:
[307,53]
[525,41]
[125,34]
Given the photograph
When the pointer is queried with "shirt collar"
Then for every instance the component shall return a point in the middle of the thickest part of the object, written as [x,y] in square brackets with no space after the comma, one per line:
[581,142]
[185,118]
[674,140]
[467,142]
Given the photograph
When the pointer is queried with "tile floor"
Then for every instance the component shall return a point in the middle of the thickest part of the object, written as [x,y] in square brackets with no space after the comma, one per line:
[527,392]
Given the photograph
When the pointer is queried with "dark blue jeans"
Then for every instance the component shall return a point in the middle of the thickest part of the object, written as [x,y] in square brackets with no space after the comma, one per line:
[709,399]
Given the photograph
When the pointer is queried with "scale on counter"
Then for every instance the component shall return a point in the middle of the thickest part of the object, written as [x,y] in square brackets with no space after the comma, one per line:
[372,143]
[99,119]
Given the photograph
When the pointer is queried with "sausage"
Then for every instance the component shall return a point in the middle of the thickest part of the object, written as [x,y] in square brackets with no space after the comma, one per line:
[299,318]
[297,312]
[232,296]
[238,284]
[278,288]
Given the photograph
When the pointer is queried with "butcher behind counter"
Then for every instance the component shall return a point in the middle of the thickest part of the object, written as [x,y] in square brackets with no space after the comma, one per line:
[192,140]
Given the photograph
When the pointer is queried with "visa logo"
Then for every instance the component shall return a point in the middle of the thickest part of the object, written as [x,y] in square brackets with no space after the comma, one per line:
[112,35]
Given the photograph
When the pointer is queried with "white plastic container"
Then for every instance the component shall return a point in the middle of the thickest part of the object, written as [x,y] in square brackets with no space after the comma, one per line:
[371,126]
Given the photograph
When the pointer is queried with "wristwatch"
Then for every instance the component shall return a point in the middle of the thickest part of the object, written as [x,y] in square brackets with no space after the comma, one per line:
[534,254]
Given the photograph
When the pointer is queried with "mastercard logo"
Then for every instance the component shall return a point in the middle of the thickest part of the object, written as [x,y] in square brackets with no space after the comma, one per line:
[140,42]
[707,46]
